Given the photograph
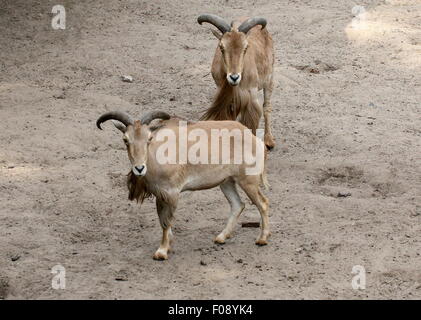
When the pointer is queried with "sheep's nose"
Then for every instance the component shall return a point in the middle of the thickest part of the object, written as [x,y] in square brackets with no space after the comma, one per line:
[140,168]
[234,77]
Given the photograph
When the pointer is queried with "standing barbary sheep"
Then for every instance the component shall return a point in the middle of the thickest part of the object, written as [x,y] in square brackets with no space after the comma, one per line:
[149,143]
[241,67]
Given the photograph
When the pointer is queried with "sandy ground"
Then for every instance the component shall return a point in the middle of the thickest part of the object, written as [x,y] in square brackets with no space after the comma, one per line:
[346,119]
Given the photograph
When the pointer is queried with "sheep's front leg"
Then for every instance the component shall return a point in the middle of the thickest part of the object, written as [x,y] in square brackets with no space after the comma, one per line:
[165,214]
[267,111]
[250,116]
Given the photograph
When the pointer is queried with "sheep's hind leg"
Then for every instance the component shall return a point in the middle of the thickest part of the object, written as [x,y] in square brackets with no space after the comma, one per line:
[165,213]
[262,203]
[237,206]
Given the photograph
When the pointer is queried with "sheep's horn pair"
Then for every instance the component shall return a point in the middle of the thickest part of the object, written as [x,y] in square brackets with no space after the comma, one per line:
[223,26]
[127,120]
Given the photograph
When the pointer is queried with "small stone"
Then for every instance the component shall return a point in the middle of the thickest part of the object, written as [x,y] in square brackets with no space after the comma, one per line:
[59,96]
[121,279]
[203,263]
[343,194]
[15,257]
[127,79]
[122,276]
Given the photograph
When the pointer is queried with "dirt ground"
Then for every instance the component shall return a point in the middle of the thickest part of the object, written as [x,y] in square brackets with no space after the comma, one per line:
[346,119]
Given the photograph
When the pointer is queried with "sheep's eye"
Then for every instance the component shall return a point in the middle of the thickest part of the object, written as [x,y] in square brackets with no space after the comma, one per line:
[222,48]
[126,141]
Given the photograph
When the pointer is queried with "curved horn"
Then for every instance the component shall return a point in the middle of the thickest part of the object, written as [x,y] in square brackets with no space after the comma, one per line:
[250,23]
[115,115]
[216,21]
[151,115]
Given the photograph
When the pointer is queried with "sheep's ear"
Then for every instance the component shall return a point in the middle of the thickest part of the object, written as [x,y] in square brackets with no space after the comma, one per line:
[216,34]
[119,126]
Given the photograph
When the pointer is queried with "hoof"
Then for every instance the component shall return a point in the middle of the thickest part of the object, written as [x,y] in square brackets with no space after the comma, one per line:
[261,242]
[219,240]
[269,143]
[270,147]
[160,255]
